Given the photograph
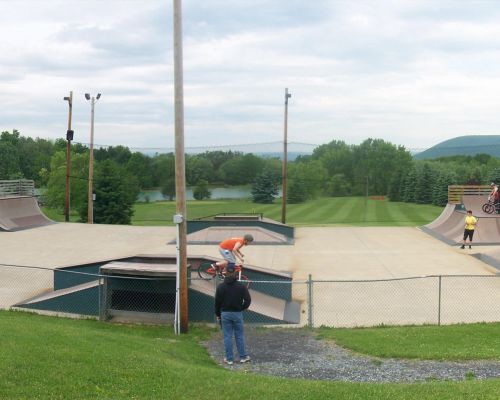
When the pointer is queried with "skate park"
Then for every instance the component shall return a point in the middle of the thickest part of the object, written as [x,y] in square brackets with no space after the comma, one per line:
[364,275]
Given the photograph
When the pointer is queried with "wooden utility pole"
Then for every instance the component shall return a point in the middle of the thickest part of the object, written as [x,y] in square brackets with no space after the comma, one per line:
[180,172]
[285,161]
[69,138]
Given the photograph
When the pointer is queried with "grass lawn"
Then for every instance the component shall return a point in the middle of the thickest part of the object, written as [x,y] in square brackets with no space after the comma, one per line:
[56,358]
[322,211]
[454,342]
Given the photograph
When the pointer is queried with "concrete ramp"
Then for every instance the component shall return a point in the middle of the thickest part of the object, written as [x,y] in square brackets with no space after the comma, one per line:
[22,212]
[216,234]
[58,293]
[443,217]
[475,203]
[272,307]
[449,226]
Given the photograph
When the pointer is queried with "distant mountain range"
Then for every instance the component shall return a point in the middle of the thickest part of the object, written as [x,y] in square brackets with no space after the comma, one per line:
[469,145]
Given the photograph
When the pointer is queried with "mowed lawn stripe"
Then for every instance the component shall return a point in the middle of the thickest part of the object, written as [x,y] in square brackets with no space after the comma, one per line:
[397,213]
[330,208]
[301,213]
[422,214]
[353,213]
[321,211]
[382,214]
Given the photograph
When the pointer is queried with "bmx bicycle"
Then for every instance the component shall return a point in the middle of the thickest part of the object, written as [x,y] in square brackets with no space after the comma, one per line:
[206,271]
[490,207]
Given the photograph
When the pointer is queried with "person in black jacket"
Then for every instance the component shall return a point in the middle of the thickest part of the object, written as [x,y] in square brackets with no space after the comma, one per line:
[231,299]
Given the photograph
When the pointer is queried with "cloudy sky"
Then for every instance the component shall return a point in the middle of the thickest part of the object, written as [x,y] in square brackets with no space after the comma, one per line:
[411,72]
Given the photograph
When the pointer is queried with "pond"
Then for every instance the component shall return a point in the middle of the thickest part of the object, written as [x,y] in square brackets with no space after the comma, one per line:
[231,192]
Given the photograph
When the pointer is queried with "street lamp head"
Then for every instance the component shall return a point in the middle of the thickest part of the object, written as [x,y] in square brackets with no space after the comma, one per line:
[87,96]
[66,98]
[98,96]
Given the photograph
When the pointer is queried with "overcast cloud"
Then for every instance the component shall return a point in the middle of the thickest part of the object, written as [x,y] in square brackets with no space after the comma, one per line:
[411,72]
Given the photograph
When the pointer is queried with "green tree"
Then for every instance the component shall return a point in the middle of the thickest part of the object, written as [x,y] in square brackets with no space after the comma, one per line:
[242,169]
[424,184]
[495,176]
[201,191]
[409,186]
[305,181]
[120,154]
[338,186]
[337,158]
[379,160]
[198,169]
[168,188]
[9,161]
[265,187]
[56,181]
[115,192]
[163,170]
[140,166]
[440,191]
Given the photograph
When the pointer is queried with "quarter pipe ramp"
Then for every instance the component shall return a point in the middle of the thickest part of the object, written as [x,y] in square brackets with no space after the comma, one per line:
[21,212]
[449,226]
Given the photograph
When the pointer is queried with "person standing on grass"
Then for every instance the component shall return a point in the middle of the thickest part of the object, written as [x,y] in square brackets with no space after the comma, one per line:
[231,299]
[230,249]
[470,225]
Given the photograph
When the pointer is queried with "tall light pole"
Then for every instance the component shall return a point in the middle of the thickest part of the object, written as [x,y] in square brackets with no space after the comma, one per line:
[180,176]
[285,160]
[69,138]
[90,209]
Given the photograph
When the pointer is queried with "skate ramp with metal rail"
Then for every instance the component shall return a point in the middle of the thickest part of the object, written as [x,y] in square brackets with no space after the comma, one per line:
[21,212]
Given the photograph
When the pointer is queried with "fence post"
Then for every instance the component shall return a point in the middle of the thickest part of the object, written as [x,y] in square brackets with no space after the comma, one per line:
[310,302]
[439,302]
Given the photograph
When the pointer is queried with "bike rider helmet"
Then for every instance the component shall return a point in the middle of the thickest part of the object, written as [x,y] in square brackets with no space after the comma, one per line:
[248,238]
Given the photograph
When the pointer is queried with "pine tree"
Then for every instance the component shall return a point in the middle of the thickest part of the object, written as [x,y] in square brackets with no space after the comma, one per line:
[264,188]
[115,192]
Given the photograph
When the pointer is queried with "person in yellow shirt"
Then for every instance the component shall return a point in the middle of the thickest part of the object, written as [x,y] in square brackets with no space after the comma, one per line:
[470,225]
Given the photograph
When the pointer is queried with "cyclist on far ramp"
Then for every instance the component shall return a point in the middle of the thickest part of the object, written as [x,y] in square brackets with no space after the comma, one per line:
[494,196]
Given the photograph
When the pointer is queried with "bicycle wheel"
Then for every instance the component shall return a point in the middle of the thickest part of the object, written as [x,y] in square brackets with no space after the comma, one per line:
[245,281]
[488,208]
[206,271]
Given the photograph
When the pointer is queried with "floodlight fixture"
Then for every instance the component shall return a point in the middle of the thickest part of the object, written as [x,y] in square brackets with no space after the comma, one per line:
[98,96]
[87,96]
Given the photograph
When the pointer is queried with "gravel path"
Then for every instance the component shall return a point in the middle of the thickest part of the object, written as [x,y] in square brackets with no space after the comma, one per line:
[296,353]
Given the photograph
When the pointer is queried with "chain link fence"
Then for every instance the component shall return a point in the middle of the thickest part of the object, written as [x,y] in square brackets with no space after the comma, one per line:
[314,303]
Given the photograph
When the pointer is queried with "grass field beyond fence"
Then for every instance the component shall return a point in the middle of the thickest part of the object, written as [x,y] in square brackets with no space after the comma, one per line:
[57,358]
[324,211]
[357,211]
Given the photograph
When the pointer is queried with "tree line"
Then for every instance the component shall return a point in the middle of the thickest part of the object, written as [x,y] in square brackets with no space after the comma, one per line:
[374,167]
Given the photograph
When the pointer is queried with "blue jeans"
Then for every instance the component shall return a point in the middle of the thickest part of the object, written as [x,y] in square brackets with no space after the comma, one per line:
[232,323]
